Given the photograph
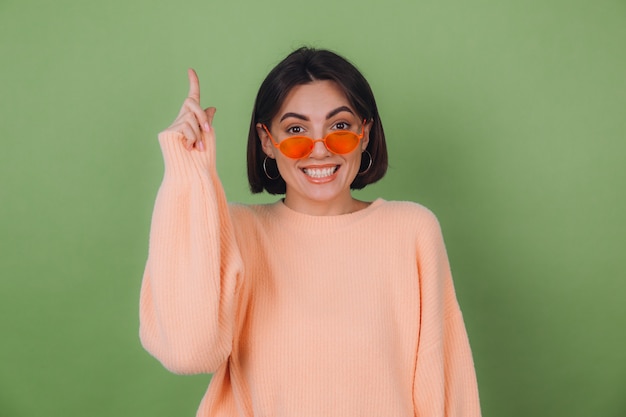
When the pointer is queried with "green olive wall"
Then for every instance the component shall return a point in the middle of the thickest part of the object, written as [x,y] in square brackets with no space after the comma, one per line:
[507,119]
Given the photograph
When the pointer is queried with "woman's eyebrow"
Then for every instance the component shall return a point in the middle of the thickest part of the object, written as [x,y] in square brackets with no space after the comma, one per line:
[339,110]
[296,115]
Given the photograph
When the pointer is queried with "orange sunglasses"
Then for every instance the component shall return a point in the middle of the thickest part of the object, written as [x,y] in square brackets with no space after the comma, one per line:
[339,142]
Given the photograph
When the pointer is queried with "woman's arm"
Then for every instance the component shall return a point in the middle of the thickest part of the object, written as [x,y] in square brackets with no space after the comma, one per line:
[188,294]
[445,379]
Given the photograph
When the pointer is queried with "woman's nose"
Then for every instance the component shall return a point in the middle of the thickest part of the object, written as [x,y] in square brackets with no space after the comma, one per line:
[319,149]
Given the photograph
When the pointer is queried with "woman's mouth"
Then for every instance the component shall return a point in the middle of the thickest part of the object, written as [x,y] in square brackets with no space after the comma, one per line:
[320,172]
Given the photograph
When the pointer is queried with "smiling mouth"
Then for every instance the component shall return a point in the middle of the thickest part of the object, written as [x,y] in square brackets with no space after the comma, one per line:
[320,172]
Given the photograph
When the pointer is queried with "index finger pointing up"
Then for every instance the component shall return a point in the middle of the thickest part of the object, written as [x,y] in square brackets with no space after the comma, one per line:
[194,85]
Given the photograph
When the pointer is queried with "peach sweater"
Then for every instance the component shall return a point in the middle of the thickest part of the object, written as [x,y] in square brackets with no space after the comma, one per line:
[297,315]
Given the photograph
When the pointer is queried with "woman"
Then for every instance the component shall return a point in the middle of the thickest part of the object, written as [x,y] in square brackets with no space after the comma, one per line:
[319,304]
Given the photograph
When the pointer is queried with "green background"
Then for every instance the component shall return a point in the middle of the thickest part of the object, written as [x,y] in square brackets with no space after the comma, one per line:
[506,118]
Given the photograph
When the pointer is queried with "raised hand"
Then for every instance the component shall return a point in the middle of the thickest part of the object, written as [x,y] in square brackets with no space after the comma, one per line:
[193,122]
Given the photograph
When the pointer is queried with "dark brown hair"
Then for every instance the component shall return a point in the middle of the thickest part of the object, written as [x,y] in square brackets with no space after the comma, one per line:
[304,66]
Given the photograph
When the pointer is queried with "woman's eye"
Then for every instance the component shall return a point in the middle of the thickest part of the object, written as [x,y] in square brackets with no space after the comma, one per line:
[295,130]
[342,126]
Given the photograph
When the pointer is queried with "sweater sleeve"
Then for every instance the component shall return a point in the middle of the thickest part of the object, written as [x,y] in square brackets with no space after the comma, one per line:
[445,380]
[188,292]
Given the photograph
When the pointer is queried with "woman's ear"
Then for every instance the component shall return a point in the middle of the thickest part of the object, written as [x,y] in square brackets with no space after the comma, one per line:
[266,142]
[367,128]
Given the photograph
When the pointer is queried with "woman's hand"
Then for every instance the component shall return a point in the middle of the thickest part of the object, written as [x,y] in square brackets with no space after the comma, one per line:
[192,120]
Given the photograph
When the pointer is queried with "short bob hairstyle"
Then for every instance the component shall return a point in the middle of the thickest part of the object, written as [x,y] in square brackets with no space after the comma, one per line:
[304,66]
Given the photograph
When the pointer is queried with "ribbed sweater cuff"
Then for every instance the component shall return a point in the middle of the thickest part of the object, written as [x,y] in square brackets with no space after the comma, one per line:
[180,163]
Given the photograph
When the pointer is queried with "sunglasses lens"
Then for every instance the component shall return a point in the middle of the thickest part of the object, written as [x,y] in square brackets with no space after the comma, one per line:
[342,142]
[296,147]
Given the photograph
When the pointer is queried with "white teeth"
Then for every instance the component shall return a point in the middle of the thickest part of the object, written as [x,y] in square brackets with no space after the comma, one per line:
[319,172]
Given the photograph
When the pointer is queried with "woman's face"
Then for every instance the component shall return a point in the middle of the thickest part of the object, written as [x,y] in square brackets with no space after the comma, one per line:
[320,182]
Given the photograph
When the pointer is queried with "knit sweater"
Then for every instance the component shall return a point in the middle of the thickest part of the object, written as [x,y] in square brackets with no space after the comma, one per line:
[299,315]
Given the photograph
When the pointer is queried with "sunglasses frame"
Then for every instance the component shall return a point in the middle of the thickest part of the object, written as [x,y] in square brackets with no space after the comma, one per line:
[314,141]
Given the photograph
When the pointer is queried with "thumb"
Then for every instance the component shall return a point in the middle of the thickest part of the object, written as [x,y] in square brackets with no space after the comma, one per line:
[210,112]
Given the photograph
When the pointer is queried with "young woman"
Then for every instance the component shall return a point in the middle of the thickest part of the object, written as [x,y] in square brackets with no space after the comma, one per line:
[316,305]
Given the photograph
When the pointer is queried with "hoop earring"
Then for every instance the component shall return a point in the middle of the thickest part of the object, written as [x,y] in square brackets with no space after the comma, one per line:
[265,170]
[369,164]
